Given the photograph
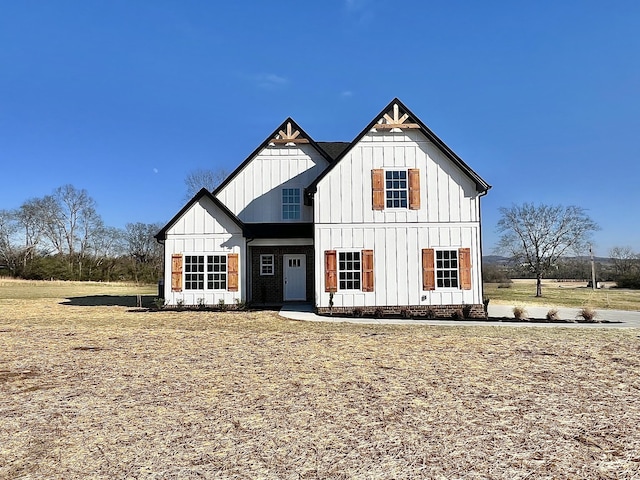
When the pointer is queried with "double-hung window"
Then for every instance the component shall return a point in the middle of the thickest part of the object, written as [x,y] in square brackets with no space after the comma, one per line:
[194,272]
[291,204]
[349,270]
[266,264]
[396,188]
[217,272]
[447,268]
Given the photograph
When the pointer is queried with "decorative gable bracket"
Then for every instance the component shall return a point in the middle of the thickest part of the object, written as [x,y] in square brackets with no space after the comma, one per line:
[392,119]
[288,136]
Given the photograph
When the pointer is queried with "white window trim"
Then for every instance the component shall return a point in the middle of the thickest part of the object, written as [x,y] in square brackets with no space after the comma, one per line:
[406,179]
[226,272]
[272,265]
[299,204]
[203,273]
[457,269]
[206,272]
[338,270]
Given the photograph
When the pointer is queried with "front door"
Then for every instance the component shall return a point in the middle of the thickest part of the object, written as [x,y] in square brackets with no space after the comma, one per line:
[295,277]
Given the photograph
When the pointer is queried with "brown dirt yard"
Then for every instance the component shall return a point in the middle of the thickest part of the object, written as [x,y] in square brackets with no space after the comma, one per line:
[93,388]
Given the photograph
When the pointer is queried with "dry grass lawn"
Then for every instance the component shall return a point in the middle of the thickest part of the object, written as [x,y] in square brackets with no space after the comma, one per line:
[93,388]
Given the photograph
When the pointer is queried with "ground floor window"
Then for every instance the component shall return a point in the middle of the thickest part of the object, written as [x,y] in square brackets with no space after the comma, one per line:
[217,272]
[266,264]
[349,270]
[194,272]
[447,268]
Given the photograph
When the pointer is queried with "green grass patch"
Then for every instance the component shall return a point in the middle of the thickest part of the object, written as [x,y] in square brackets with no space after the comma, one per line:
[562,294]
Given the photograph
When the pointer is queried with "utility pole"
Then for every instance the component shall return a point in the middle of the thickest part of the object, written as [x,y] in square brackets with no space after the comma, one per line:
[593,269]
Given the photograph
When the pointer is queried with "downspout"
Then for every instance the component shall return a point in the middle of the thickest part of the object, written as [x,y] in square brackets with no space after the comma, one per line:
[482,194]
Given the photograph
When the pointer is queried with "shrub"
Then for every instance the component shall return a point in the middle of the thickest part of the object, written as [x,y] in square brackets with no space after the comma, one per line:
[520,313]
[505,285]
[628,281]
[588,314]
[405,313]
[495,274]
[552,315]
[357,312]
[180,304]
[458,314]
[158,303]
[466,311]
[240,304]
[201,304]
[378,313]
[430,314]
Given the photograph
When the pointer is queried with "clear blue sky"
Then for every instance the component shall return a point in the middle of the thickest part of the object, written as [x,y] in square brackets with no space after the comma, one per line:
[124,98]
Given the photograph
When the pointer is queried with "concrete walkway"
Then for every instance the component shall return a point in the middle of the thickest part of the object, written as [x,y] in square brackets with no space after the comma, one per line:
[620,318]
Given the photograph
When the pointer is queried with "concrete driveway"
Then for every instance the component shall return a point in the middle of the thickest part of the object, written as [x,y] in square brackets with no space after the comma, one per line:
[611,318]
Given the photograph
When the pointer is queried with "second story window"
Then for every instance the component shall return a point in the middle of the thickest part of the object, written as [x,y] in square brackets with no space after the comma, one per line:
[396,188]
[291,204]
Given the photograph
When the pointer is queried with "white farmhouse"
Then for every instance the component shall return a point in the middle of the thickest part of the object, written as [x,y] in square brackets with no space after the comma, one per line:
[388,222]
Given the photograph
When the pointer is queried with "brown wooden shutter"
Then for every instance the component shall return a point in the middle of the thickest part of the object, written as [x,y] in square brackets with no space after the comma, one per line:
[377,185]
[232,272]
[176,272]
[414,189]
[464,265]
[367,270]
[330,271]
[428,269]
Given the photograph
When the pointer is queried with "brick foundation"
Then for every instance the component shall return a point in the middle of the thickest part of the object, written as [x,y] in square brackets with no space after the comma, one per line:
[410,311]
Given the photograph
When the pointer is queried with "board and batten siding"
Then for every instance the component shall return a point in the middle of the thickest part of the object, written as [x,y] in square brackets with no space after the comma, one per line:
[255,193]
[448,217]
[397,259]
[446,193]
[203,229]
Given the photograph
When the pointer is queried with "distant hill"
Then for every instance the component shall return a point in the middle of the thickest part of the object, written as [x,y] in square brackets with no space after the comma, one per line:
[499,260]
[494,260]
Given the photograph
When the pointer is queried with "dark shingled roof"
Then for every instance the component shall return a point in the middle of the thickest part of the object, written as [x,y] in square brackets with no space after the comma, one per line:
[334,149]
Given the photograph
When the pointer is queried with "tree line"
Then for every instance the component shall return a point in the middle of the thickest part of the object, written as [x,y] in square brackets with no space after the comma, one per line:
[62,236]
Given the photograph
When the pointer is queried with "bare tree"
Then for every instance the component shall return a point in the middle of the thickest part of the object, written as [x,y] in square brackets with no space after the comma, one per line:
[48,210]
[625,260]
[30,222]
[106,247]
[538,236]
[142,248]
[68,218]
[203,178]
[8,249]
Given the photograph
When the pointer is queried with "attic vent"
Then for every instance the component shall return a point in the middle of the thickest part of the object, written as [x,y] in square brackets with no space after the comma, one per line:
[393,119]
[288,136]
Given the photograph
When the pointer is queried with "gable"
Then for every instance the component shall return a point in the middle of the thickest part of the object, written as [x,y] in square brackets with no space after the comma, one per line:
[289,159]
[437,185]
[397,118]
[202,215]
